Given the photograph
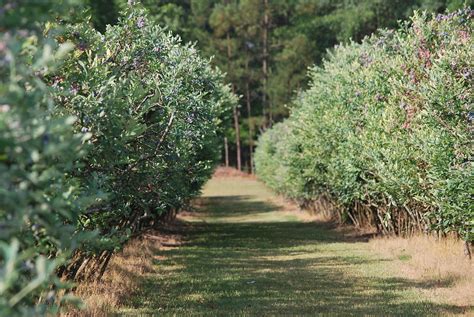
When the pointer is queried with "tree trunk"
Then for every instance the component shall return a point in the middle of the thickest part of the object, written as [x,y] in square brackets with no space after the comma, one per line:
[234,109]
[265,63]
[237,137]
[249,116]
[226,149]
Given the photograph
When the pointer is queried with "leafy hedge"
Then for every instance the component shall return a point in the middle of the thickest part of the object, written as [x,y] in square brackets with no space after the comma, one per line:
[39,200]
[101,137]
[152,107]
[385,131]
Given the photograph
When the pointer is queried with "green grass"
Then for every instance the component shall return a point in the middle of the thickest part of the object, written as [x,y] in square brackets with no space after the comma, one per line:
[245,255]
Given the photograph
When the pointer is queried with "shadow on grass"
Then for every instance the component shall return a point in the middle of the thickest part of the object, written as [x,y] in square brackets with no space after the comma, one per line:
[241,205]
[272,268]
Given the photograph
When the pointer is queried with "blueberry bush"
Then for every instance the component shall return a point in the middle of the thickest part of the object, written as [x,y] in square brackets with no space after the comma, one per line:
[102,136]
[385,131]
[153,109]
[40,198]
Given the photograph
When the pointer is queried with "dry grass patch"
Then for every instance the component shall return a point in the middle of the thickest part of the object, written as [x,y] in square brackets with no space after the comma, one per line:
[124,275]
[425,258]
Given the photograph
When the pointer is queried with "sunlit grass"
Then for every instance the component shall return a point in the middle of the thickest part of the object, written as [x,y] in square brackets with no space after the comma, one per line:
[246,255]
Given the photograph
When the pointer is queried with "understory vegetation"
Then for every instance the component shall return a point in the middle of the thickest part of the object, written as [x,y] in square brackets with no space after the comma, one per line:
[383,136]
[101,136]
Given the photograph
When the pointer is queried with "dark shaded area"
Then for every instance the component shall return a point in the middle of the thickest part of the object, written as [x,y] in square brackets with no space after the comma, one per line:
[103,13]
[242,205]
[263,269]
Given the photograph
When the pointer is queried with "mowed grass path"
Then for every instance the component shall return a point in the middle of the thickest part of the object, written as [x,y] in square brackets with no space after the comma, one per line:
[245,255]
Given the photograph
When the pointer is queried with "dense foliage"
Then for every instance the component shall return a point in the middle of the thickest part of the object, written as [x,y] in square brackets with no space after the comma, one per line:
[385,131]
[266,46]
[39,199]
[152,107]
[101,136]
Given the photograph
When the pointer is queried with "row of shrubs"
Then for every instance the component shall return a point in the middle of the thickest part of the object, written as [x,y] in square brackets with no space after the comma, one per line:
[101,137]
[383,135]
